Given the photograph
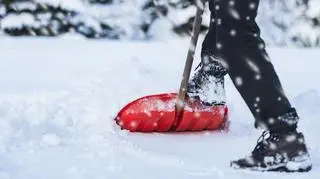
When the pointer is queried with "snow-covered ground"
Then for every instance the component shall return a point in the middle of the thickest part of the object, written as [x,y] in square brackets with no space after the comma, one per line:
[58,98]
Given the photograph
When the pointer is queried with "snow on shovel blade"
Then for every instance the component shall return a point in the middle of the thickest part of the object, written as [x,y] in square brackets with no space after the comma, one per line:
[156,113]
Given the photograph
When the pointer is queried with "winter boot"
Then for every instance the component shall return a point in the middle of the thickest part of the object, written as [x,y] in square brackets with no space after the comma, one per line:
[207,84]
[277,152]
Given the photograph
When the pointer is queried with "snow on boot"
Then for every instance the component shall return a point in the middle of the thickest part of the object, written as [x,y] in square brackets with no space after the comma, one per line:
[207,84]
[277,152]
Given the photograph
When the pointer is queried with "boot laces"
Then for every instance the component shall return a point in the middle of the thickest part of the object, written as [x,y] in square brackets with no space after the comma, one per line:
[262,143]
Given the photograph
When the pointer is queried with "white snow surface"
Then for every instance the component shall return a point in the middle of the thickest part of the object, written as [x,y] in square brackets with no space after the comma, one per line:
[58,98]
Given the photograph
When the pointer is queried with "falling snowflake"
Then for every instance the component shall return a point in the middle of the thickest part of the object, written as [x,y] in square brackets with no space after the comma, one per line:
[197,115]
[231,3]
[207,68]
[252,6]
[267,58]
[258,77]
[219,45]
[271,121]
[205,60]
[180,103]
[253,66]
[234,13]
[133,124]
[238,81]
[233,32]
[192,47]
[219,21]
[300,140]
[291,138]
[258,99]
[155,124]
[273,146]
[261,46]
[301,152]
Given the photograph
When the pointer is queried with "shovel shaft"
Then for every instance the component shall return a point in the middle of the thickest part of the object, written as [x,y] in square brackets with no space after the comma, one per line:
[188,64]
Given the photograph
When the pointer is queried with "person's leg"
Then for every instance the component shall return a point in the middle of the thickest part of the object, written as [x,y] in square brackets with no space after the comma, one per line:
[238,47]
[237,44]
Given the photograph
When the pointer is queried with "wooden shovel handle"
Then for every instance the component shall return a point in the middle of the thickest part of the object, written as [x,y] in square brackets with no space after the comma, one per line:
[188,65]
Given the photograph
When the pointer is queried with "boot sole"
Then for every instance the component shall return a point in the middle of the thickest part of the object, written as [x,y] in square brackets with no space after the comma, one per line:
[298,164]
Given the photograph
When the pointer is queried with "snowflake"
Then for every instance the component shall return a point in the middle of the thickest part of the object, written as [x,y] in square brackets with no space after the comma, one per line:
[261,46]
[291,138]
[271,121]
[253,66]
[238,81]
[258,99]
[273,146]
[219,21]
[205,60]
[219,45]
[252,6]
[279,98]
[300,140]
[266,57]
[231,3]
[258,77]
[155,124]
[301,152]
[133,124]
[206,68]
[217,7]
[192,47]
[234,13]
[233,32]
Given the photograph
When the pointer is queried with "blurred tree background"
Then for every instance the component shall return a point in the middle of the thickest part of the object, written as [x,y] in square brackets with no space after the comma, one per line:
[283,22]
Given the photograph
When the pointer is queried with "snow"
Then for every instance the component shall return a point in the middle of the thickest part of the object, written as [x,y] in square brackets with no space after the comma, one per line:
[13,20]
[58,98]
[23,5]
[314,8]
[69,4]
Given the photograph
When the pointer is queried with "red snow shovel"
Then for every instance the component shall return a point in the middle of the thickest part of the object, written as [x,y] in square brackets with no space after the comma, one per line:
[174,112]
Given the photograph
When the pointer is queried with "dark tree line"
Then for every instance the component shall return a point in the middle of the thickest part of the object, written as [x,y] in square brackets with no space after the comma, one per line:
[42,19]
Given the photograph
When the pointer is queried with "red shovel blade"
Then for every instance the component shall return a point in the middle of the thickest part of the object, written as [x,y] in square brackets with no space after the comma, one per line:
[156,113]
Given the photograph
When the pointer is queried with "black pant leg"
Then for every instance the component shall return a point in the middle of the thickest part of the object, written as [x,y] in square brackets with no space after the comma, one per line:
[208,45]
[235,40]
